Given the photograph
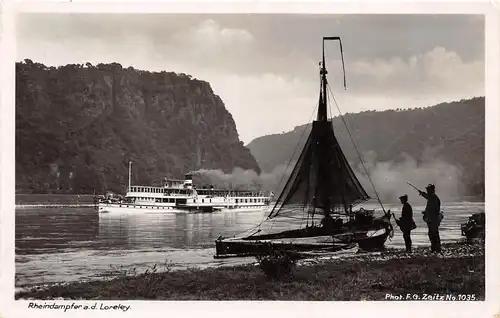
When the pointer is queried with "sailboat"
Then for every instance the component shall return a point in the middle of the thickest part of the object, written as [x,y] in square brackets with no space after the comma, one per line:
[323,184]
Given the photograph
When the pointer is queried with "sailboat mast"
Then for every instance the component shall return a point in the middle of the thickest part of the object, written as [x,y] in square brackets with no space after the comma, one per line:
[323,117]
[321,177]
[322,109]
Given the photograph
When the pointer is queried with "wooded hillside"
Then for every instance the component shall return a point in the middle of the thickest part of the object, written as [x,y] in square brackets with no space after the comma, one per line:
[77,127]
[452,133]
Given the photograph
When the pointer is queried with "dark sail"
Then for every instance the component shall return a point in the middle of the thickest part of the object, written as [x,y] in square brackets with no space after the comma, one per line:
[322,177]
[322,180]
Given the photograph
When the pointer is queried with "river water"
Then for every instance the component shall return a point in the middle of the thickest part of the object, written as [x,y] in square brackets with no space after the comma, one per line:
[62,244]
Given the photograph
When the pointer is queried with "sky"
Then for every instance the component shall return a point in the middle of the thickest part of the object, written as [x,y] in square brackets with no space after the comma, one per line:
[265,67]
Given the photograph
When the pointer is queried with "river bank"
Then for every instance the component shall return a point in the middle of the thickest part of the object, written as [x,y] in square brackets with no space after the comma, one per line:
[48,200]
[458,271]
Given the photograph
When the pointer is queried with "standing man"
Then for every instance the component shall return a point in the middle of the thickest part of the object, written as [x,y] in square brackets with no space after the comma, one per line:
[432,216]
[405,222]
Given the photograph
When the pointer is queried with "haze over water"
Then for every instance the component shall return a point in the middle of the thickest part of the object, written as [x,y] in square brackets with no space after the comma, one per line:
[68,244]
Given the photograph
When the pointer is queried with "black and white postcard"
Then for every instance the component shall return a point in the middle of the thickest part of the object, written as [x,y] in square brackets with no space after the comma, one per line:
[305,160]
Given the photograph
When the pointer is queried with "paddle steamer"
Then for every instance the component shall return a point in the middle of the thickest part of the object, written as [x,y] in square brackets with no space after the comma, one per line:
[180,196]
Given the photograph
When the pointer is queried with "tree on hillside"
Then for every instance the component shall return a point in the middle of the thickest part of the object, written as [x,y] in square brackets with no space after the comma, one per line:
[89,121]
[452,132]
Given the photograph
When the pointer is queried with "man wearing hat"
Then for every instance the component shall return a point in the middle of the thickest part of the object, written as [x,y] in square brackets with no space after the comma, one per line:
[432,216]
[405,222]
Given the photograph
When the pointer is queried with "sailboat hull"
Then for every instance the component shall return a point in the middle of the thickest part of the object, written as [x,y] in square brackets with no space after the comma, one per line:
[308,239]
[370,236]
[238,247]
[371,242]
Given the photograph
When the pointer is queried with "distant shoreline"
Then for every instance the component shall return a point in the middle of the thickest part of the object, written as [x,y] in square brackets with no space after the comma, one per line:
[43,200]
[47,198]
[34,206]
[460,270]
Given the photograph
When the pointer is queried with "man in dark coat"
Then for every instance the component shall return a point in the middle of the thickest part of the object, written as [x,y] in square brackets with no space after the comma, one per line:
[432,216]
[405,222]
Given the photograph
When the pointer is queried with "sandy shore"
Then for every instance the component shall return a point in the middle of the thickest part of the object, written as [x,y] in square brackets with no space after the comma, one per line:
[455,274]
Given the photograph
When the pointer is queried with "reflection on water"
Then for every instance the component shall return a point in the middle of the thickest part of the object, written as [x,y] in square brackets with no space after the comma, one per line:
[42,230]
[180,230]
[64,244]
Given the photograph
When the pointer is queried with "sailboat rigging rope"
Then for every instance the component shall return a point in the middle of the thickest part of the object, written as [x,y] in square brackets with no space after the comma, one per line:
[356,148]
[293,154]
[297,146]
[282,176]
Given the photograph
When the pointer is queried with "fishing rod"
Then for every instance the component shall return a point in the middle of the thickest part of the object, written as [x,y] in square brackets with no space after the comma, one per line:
[414,187]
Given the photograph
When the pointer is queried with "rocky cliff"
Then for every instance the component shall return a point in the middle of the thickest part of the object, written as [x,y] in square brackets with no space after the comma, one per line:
[77,127]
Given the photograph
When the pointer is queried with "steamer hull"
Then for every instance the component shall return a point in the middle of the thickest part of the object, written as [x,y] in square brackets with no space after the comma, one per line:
[180,196]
